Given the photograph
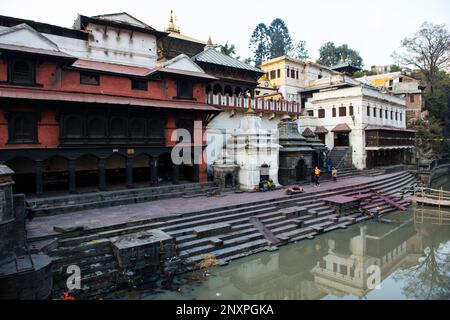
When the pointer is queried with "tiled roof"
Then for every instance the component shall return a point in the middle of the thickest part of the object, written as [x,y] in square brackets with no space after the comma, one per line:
[341,127]
[321,129]
[307,133]
[213,56]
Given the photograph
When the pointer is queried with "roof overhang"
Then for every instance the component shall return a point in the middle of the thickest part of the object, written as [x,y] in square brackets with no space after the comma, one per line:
[22,50]
[342,127]
[371,127]
[184,73]
[321,129]
[78,97]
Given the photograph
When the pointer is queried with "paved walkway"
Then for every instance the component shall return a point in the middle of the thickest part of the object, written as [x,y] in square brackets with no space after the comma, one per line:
[101,217]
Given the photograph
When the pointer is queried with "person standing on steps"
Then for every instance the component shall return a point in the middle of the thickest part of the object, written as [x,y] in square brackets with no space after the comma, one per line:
[329,164]
[317,176]
[334,174]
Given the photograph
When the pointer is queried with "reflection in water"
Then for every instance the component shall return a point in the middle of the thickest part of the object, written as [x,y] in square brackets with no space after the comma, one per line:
[413,260]
[430,277]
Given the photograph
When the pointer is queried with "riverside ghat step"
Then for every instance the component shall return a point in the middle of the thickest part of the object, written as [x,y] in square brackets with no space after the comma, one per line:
[241,239]
[225,210]
[70,203]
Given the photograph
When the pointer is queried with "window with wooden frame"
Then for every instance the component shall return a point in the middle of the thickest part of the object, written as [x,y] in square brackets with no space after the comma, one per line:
[89,79]
[185,89]
[22,127]
[342,111]
[321,113]
[334,112]
[21,71]
[139,84]
[350,110]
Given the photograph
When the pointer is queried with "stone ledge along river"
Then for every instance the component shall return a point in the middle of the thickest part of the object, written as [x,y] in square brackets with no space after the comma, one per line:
[395,259]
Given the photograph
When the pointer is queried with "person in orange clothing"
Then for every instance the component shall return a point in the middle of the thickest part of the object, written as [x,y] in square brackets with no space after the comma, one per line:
[317,176]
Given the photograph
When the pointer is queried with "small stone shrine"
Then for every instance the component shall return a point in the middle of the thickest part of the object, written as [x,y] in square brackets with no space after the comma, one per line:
[254,151]
[23,275]
[295,154]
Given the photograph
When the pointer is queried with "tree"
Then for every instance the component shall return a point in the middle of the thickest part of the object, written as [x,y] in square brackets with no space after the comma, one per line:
[280,39]
[299,51]
[330,55]
[259,43]
[362,73]
[229,50]
[429,279]
[428,50]
[268,42]
[429,140]
[395,68]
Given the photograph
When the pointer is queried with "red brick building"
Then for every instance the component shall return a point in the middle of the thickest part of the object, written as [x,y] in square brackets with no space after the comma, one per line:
[70,119]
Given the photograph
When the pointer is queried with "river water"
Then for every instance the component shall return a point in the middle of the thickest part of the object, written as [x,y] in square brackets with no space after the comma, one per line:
[399,259]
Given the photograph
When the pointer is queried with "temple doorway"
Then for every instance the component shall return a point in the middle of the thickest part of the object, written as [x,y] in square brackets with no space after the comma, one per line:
[300,170]
[341,139]
[264,172]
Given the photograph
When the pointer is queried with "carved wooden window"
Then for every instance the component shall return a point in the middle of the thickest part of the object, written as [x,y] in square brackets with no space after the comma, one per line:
[73,126]
[22,71]
[185,89]
[138,84]
[118,127]
[96,127]
[89,78]
[334,112]
[137,128]
[342,111]
[22,128]
[321,113]
[350,111]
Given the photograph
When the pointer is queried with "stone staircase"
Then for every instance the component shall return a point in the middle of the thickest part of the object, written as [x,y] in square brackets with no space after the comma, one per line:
[341,157]
[224,233]
[71,203]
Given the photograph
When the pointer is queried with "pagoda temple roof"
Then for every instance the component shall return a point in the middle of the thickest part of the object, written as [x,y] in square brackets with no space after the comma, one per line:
[213,56]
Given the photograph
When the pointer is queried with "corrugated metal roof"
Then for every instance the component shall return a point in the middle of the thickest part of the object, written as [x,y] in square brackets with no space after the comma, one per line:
[186,73]
[49,95]
[55,53]
[4,170]
[213,56]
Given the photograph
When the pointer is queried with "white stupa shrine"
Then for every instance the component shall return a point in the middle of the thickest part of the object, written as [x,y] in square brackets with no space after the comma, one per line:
[254,150]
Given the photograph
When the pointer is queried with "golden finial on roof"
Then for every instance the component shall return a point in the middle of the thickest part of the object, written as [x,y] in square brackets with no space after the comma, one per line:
[209,44]
[172,27]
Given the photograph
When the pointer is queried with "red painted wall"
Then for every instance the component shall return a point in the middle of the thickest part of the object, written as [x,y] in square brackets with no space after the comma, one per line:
[48,128]
[51,76]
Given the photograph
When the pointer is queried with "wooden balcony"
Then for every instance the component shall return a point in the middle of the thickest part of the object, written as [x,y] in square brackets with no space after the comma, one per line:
[259,105]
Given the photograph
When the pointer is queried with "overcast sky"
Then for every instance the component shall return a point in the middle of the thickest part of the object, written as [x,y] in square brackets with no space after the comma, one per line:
[374,28]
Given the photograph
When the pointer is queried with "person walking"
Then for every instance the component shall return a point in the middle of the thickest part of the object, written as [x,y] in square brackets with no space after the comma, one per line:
[334,174]
[317,176]
[329,164]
